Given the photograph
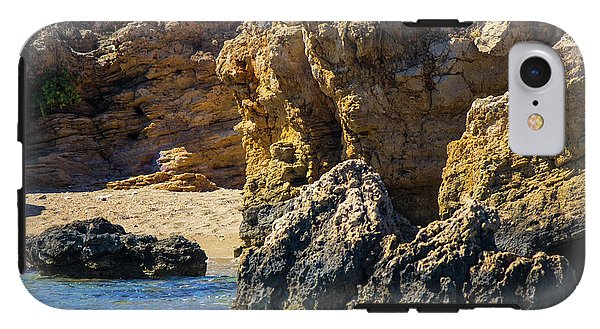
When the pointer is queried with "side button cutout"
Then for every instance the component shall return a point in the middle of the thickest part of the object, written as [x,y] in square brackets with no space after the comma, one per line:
[438,23]
[21,239]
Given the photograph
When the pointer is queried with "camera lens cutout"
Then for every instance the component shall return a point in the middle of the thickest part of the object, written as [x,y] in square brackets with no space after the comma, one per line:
[535,72]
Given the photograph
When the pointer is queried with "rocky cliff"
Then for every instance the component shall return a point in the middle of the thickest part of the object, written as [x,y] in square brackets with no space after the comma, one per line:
[496,227]
[377,168]
[314,94]
[540,199]
[145,87]
[341,244]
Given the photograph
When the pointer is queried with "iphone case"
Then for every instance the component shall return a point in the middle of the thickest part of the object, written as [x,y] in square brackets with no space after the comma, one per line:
[292,165]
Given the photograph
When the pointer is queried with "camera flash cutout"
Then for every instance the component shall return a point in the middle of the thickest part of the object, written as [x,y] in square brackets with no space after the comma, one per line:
[535,122]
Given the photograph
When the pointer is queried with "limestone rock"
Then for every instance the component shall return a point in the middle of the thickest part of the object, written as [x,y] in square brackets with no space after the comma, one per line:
[317,93]
[145,87]
[258,220]
[540,199]
[498,37]
[169,180]
[324,245]
[376,256]
[178,169]
[96,248]
[290,132]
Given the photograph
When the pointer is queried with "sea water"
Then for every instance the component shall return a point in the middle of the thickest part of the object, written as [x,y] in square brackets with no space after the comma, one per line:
[207,292]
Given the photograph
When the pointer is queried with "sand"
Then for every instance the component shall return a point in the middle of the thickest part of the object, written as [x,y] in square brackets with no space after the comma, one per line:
[212,219]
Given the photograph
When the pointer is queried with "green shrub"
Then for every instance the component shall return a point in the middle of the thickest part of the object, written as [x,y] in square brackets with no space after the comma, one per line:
[57,92]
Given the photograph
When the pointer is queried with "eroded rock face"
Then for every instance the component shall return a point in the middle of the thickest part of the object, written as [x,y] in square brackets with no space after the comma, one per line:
[399,98]
[313,94]
[434,266]
[340,244]
[457,261]
[96,248]
[505,278]
[540,200]
[324,245]
[290,132]
[146,87]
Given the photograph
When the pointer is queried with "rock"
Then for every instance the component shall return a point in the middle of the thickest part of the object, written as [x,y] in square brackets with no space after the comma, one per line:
[498,37]
[177,173]
[237,251]
[178,160]
[257,222]
[324,245]
[104,197]
[434,266]
[456,261]
[314,94]
[376,256]
[505,278]
[290,132]
[177,256]
[145,87]
[169,181]
[540,200]
[96,248]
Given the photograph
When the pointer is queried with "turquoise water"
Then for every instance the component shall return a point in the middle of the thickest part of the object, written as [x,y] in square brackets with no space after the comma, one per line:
[208,292]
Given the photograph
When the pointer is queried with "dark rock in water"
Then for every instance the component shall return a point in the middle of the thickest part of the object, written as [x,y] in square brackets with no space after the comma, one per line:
[96,248]
[323,245]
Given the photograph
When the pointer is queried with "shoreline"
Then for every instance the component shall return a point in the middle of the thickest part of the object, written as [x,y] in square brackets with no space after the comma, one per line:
[211,219]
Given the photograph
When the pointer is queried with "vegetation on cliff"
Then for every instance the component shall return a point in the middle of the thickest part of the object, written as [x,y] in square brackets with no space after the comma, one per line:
[57,92]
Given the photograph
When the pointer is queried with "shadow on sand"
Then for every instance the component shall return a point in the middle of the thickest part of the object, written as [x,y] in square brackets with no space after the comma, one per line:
[33,210]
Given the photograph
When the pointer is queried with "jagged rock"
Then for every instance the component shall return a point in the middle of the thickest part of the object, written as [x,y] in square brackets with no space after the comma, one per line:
[456,261]
[540,199]
[257,221]
[374,255]
[505,278]
[170,181]
[324,245]
[145,87]
[314,94]
[178,160]
[96,248]
[434,266]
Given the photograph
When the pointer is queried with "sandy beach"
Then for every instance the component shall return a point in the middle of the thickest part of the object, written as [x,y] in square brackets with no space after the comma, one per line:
[210,218]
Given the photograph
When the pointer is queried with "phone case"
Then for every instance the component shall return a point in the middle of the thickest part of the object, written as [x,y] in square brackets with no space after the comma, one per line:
[292,165]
